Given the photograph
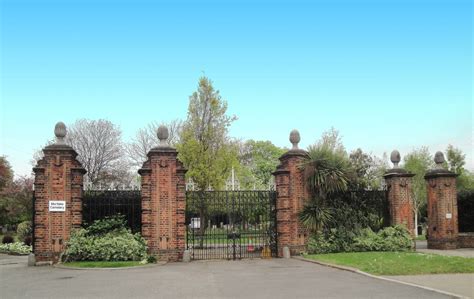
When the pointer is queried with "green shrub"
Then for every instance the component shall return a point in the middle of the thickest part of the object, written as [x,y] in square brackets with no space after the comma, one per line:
[108,224]
[119,245]
[334,240]
[24,230]
[105,240]
[15,248]
[395,238]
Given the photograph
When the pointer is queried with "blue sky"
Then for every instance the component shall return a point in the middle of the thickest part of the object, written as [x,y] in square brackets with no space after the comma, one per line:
[386,74]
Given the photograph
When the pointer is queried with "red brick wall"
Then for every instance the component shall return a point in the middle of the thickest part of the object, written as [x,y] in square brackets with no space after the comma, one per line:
[163,204]
[291,193]
[58,176]
[466,240]
[400,200]
[442,201]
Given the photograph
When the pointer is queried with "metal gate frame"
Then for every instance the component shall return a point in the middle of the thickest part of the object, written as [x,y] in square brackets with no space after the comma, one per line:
[231,224]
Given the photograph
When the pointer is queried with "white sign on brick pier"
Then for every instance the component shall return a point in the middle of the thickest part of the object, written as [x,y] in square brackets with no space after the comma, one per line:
[57,206]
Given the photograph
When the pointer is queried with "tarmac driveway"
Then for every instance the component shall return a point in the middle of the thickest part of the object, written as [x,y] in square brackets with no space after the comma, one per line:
[275,278]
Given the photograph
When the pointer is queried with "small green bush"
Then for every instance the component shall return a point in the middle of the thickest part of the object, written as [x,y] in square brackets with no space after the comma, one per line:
[106,225]
[334,240]
[395,238]
[24,230]
[15,248]
[105,240]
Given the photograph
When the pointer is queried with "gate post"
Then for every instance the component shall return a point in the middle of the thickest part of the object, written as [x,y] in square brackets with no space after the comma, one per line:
[58,198]
[291,192]
[399,190]
[442,206]
[163,201]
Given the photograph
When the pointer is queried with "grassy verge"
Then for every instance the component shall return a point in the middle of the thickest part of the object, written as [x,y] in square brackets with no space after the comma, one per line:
[398,263]
[102,264]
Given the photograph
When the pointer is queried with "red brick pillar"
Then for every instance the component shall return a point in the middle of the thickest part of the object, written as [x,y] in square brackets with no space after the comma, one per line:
[163,201]
[291,193]
[442,207]
[58,198]
[399,188]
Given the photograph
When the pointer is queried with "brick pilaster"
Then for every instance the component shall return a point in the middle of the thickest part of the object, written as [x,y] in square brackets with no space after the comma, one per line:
[399,189]
[58,176]
[163,203]
[442,209]
[291,193]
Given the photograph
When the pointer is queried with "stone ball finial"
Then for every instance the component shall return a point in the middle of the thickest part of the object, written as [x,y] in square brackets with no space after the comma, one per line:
[295,139]
[60,132]
[163,135]
[395,158]
[439,159]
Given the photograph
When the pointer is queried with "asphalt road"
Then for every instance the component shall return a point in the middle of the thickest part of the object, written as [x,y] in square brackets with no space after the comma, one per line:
[275,278]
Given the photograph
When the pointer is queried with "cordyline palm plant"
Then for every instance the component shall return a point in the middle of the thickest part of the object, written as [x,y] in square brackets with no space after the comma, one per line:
[326,172]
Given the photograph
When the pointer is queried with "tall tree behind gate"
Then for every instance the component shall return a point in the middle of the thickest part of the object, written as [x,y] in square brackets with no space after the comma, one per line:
[205,149]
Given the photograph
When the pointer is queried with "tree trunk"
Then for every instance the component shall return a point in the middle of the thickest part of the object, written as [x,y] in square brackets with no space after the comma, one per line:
[416,223]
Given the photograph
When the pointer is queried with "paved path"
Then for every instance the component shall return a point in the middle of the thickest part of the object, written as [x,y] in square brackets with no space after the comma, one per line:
[461,284]
[422,246]
[275,278]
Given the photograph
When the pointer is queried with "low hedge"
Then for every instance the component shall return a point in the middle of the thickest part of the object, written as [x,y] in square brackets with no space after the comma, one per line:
[105,240]
[395,238]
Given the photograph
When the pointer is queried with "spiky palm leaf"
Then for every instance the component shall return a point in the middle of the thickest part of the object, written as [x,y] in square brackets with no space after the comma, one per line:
[315,215]
[326,171]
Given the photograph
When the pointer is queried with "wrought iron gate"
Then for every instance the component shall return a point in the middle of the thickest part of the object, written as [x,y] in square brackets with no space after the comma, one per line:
[98,204]
[231,224]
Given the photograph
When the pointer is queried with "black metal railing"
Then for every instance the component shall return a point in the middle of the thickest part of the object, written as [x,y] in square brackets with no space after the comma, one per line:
[231,224]
[466,211]
[98,204]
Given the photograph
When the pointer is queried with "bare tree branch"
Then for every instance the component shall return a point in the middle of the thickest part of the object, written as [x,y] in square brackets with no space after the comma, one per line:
[146,138]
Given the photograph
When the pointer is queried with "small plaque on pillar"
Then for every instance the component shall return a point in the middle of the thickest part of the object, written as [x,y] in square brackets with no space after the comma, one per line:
[57,206]
[449,216]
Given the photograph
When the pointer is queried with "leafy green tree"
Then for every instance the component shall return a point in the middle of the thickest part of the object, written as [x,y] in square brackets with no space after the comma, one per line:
[205,148]
[331,140]
[16,201]
[418,162]
[456,160]
[6,173]
[465,182]
[258,160]
[368,171]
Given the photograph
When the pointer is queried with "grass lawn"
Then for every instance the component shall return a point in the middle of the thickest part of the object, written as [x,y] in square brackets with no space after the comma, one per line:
[398,263]
[102,264]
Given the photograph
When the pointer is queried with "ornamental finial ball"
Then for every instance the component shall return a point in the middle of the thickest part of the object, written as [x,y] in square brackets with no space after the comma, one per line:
[163,135]
[60,132]
[295,139]
[395,158]
[439,159]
